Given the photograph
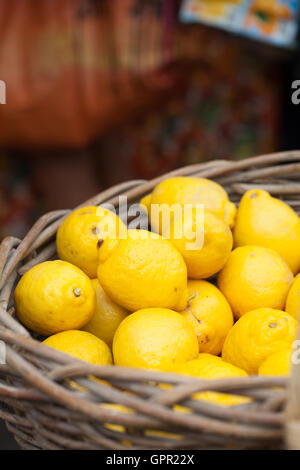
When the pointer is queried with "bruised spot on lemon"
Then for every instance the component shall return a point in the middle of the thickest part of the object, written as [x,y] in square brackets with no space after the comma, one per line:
[209,314]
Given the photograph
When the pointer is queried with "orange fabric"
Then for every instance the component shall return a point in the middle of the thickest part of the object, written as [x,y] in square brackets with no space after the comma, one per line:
[72,70]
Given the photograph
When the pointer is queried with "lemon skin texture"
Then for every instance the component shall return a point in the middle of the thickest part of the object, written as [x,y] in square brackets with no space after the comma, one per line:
[145,273]
[81,234]
[278,363]
[257,335]
[82,345]
[293,299]
[107,317]
[146,202]
[154,338]
[204,255]
[254,277]
[188,190]
[210,315]
[109,244]
[269,222]
[54,296]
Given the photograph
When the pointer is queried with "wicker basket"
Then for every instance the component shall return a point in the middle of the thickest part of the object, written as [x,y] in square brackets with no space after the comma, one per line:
[45,411]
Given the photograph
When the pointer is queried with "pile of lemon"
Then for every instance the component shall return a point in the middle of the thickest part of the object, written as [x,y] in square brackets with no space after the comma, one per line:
[138,298]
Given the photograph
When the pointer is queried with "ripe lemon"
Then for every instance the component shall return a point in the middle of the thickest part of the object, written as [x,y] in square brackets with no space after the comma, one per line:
[81,234]
[82,345]
[186,190]
[267,221]
[138,234]
[278,363]
[146,201]
[204,240]
[154,338]
[293,298]
[210,315]
[208,366]
[255,277]
[107,317]
[145,273]
[54,296]
[110,244]
[256,335]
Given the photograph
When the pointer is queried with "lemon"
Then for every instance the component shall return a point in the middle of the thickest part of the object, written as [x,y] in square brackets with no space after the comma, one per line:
[267,221]
[54,296]
[81,234]
[205,242]
[187,190]
[110,244]
[293,298]
[256,335]
[145,273]
[107,317]
[139,234]
[278,363]
[82,345]
[154,338]
[146,201]
[255,277]
[210,315]
[207,366]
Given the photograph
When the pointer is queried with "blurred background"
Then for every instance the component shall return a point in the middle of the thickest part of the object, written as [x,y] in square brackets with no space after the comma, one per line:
[102,91]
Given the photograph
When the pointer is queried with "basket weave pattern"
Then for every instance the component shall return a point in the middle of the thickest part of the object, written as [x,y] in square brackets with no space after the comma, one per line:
[44,409]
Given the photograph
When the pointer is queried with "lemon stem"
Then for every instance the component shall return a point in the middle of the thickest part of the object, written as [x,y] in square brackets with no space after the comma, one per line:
[192,296]
[77,292]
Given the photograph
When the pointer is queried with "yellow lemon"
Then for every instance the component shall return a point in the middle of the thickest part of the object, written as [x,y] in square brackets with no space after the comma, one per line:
[146,201]
[255,277]
[267,221]
[203,239]
[82,345]
[293,298]
[81,234]
[278,363]
[145,273]
[187,190]
[154,338]
[256,335]
[110,244]
[107,317]
[138,234]
[54,296]
[207,366]
[210,315]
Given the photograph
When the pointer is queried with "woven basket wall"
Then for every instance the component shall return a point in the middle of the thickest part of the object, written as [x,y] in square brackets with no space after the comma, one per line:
[45,410]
